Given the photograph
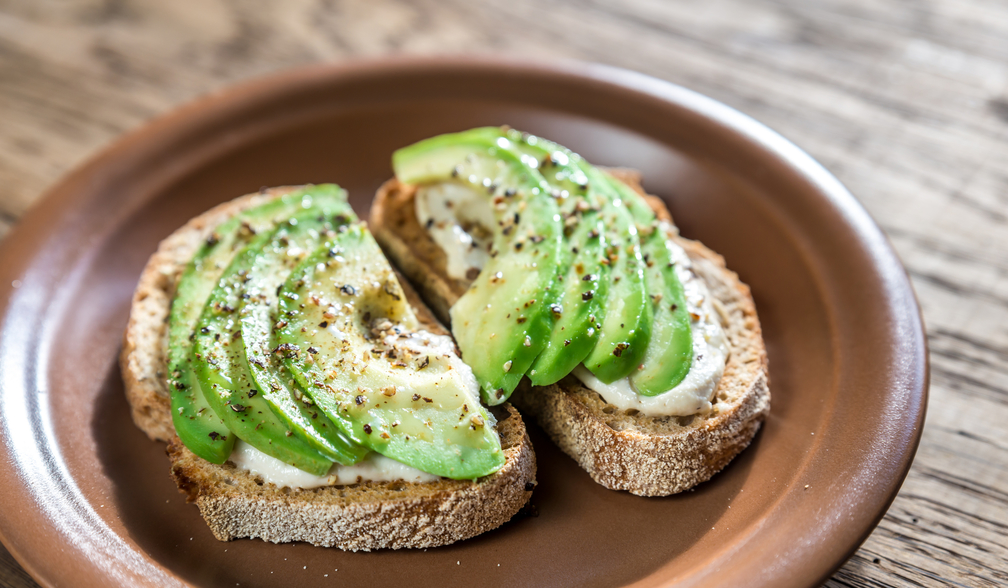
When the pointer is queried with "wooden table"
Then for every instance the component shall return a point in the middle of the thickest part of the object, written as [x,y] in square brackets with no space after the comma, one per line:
[907,103]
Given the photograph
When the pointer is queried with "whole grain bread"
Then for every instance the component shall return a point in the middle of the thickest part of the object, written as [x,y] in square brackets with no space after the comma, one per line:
[235,503]
[622,450]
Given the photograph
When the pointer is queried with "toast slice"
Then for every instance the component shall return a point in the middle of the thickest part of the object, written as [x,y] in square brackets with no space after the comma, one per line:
[622,450]
[359,517]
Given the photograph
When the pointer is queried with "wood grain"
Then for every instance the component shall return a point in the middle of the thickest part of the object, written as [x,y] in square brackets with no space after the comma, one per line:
[906,102]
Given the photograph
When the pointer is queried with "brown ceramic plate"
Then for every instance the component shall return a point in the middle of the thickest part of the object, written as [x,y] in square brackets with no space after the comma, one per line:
[87,498]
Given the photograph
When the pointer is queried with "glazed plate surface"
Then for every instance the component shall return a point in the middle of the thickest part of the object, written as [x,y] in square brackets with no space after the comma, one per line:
[87,497]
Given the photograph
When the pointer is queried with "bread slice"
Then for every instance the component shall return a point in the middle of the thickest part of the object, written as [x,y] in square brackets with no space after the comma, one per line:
[235,503]
[622,450]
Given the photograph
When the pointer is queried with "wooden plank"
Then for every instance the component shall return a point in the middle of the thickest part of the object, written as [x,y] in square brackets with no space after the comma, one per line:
[907,103]
[12,575]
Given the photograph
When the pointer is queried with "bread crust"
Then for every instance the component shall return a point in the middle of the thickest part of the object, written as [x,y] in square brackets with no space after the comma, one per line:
[647,456]
[361,517]
[235,503]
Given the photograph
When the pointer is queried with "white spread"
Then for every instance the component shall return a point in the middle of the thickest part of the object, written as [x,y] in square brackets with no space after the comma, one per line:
[454,213]
[458,219]
[373,468]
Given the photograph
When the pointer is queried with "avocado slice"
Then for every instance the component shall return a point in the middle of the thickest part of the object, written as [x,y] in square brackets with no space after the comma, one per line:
[196,424]
[226,382]
[503,321]
[631,319]
[273,423]
[626,329]
[611,332]
[577,305]
[578,309]
[657,358]
[353,343]
[669,353]
[265,269]
[253,401]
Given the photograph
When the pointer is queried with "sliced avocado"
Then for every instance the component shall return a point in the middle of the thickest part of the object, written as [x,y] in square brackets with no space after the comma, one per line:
[196,424]
[265,269]
[612,345]
[263,410]
[503,321]
[577,305]
[626,329]
[226,382]
[631,320]
[578,309]
[669,353]
[353,343]
[275,426]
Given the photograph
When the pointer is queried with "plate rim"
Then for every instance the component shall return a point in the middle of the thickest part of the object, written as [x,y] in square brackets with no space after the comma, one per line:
[191,114]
